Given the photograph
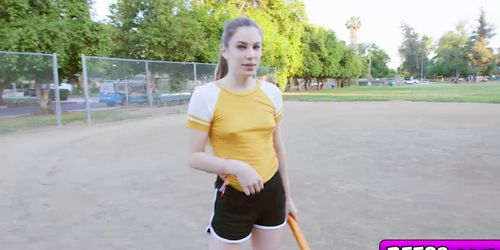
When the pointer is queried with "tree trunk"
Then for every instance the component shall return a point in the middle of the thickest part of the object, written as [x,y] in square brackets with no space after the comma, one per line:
[323,82]
[296,84]
[81,83]
[341,83]
[2,87]
[43,97]
[289,84]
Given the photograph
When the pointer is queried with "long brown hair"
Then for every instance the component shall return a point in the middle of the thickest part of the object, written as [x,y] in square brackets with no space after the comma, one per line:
[229,30]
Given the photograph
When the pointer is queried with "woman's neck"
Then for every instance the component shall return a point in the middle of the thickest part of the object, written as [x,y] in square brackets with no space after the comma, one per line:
[237,83]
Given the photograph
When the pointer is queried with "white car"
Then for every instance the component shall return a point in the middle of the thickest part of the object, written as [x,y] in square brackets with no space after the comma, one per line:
[412,81]
[63,85]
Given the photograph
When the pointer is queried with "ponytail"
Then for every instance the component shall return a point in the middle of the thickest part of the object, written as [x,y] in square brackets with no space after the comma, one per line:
[221,69]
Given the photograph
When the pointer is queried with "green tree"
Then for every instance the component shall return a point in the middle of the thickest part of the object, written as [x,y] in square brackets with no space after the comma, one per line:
[33,26]
[9,72]
[177,30]
[409,50]
[452,53]
[484,29]
[497,59]
[351,66]
[166,30]
[414,52]
[321,56]
[283,25]
[480,55]
[331,59]
[50,26]
[326,57]
[313,51]
[497,56]
[425,48]
[379,59]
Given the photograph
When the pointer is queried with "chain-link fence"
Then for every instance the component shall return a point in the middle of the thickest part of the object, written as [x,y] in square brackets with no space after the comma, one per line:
[113,89]
[30,93]
[117,88]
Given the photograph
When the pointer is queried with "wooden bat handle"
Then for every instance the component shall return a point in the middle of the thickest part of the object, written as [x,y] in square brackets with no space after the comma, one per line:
[299,237]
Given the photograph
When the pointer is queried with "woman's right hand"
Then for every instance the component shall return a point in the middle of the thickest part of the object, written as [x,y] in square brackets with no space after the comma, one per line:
[248,178]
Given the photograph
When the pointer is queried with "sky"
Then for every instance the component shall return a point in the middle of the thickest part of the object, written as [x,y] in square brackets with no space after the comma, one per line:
[381,20]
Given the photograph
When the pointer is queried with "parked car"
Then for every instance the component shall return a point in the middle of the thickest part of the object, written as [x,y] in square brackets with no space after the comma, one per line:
[411,81]
[63,92]
[117,92]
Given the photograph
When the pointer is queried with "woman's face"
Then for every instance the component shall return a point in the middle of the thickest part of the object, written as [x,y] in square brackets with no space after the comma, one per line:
[243,51]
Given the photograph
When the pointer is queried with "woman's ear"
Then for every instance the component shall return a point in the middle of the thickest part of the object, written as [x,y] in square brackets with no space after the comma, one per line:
[223,51]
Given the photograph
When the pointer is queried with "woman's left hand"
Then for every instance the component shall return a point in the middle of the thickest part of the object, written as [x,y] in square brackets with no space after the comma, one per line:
[291,208]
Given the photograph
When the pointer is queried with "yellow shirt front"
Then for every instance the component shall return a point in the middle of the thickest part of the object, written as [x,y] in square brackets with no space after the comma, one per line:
[240,125]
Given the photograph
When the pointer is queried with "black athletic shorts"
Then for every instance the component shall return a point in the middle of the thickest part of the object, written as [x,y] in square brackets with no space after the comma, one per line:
[235,214]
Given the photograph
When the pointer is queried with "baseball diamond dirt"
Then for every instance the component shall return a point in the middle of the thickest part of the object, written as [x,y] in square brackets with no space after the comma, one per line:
[360,172]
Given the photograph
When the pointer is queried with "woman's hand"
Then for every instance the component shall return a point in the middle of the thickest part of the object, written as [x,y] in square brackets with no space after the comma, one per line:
[248,178]
[291,208]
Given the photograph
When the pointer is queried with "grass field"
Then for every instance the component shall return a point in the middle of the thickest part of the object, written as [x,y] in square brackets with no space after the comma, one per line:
[445,92]
[36,121]
[10,125]
[477,93]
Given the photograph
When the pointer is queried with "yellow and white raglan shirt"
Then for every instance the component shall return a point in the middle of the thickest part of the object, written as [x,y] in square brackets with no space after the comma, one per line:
[240,126]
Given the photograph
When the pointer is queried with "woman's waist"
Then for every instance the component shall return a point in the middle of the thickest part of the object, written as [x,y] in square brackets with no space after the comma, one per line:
[267,175]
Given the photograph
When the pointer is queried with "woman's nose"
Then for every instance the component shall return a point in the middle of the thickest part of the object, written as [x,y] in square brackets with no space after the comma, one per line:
[250,53]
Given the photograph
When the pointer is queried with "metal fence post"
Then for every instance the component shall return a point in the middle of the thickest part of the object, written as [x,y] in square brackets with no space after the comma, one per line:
[195,77]
[56,94]
[126,93]
[148,86]
[86,89]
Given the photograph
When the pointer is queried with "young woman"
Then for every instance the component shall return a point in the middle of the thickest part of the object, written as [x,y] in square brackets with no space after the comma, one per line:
[241,116]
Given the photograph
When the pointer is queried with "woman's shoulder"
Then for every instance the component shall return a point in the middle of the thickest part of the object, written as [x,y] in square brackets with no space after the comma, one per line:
[270,87]
[205,89]
[205,86]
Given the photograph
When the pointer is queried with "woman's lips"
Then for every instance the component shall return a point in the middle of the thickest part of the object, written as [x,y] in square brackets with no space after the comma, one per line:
[249,66]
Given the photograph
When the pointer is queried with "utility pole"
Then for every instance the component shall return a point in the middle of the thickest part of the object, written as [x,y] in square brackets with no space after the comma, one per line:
[370,65]
[422,69]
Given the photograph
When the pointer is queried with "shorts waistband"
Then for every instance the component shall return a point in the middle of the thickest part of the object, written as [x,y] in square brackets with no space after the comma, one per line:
[219,181]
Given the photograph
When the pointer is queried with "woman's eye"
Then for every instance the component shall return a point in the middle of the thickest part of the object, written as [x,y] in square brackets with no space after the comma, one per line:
[241,47]
[256,47]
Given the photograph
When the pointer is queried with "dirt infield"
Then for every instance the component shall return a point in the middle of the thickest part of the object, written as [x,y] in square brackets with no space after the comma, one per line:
[360,172]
